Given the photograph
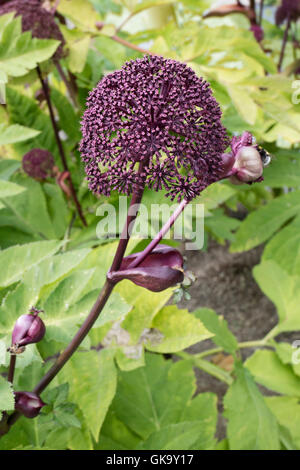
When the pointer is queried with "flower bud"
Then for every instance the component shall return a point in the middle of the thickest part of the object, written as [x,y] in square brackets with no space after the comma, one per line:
[28,403]
[248,166]
[161,269]
[28,329]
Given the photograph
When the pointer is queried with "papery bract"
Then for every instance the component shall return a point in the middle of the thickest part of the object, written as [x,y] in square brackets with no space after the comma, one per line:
[161,269]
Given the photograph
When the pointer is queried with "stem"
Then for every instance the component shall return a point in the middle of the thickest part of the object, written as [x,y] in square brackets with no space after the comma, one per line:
[60,146]
[93,315]
[78,338]
[138,260]
[68,83]
[284,41]
[207,367]
[124,22]
[246,344]
[261,10]
[130,45]
[11,370]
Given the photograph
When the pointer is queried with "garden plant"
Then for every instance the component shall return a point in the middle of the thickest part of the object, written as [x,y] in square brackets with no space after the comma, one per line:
[108,109]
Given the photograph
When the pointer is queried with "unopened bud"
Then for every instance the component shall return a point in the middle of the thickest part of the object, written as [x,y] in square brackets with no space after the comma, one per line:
[28,329]
[248,166]
[28,403]
[161,269]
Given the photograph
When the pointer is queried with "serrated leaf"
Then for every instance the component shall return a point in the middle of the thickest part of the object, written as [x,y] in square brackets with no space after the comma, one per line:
[8,168]
[179,328]
[269,371]
[264,222]
[92,378]
[8,189]
[218,327]
[20,53]
[287,412]
[7,400]
[16,260]
[30,208]
[283,248]
[251,425]
[283,290]
[151,401]
[16,133]
[145,307]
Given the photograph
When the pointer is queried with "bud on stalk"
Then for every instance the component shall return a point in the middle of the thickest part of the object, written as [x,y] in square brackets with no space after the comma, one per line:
[28,329]
[161,269]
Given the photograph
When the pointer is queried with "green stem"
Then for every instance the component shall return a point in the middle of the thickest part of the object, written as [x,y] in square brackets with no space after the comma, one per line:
[207,367]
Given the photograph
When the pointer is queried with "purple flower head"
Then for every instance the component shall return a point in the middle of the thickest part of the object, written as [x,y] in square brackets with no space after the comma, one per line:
[154,113]
[28,329]
[288,9]
[28,403]
[257,31]
[38,163]
[36,19]
[245,162]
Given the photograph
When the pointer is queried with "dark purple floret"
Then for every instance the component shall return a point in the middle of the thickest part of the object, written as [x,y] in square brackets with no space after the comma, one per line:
[257,31]
[38,163]
[157,113]
[288,9]
[36,19]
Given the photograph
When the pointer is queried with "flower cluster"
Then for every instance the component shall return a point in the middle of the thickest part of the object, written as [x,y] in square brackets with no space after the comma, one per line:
[36,19]
[153,123]
[38,163]
[289,9]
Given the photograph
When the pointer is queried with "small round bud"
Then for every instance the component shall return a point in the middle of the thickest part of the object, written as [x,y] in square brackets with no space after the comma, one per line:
[247,167]
[28,329]
[28,403]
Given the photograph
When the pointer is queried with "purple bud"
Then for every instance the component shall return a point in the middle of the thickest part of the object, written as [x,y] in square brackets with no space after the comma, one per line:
[257,31]
[248,166]
[28,329]
[161,269]
[28,403]
[245,162]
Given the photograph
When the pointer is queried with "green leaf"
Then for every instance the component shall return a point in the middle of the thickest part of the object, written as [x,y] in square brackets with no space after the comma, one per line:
[16,133]
[283,290]
[68,119]
[30,208]
[263,223]
[251,425]
[8,168]
[26,112]
[145,307]
[287,412]
[218,327]
[180,329]
[92,379]
[20,53]
[8,189]
[18,259]
[152,401]
[269,371]
[283,248]
[7,400]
